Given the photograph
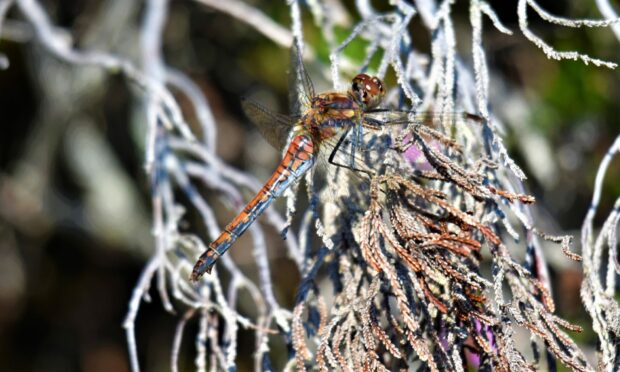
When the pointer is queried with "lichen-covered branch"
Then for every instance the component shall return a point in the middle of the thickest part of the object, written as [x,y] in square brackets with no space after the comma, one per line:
[598,289]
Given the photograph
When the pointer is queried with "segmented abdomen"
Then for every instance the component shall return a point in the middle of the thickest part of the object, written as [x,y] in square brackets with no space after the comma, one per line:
[298,159]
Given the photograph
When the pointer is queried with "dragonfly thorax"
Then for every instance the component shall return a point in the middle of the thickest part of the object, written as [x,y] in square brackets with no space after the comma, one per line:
[329,114]
[333,103]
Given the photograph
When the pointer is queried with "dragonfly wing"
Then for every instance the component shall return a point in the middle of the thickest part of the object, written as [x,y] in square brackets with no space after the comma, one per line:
[382,117]
[301,89]
[272,126]
[364,148]
[429,124]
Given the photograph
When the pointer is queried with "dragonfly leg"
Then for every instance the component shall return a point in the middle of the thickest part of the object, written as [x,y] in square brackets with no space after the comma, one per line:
[335,151]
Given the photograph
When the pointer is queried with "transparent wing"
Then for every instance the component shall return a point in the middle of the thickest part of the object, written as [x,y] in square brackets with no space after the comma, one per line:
[272,126]
[364,148]
[381,117]
[430,125]
[301,89]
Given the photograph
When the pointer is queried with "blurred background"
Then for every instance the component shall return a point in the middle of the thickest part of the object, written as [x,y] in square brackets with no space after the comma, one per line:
[74,198]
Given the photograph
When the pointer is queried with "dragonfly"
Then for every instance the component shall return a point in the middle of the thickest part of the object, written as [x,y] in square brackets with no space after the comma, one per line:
[320,124]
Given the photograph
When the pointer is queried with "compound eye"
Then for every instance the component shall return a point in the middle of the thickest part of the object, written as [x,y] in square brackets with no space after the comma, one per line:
[355,86]
[377,82]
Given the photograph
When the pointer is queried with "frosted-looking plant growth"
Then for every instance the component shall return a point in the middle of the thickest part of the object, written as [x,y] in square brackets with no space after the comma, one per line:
[408,268]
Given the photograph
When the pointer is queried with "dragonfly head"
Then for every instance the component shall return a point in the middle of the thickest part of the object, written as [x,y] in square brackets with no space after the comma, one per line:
[367,90]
